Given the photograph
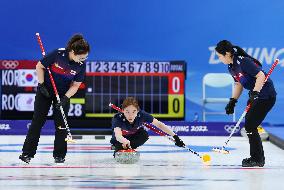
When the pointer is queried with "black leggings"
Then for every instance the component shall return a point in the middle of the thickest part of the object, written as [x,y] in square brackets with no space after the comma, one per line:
[136,140]
[41,108]
[254,118]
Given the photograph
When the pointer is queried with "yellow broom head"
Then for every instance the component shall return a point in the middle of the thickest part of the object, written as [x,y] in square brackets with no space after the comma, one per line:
[206,158]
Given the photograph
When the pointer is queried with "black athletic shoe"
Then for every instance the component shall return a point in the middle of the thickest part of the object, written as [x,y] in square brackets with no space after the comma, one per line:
[249,162]
[25,158]
[59,160]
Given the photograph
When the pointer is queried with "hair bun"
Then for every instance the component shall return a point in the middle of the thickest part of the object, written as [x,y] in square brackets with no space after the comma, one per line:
[78,44]
[77,37]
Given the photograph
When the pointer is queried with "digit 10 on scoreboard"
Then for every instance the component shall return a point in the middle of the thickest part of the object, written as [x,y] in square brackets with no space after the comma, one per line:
[158,86]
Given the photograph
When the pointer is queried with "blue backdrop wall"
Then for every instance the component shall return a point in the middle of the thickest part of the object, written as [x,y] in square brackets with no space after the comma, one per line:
[153,30]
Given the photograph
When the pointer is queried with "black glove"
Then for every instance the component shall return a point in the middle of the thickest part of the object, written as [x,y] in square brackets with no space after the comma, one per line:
[63,101]
[253,96]
[179,142]
[230,106]
[43,90]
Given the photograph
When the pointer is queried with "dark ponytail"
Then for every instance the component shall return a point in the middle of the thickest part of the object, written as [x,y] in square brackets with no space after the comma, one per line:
[78,44]
[226,46]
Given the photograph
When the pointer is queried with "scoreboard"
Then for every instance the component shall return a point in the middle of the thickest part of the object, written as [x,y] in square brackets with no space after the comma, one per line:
[158,87]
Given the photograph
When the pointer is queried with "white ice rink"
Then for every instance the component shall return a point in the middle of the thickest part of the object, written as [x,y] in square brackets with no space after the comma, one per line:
[89,165]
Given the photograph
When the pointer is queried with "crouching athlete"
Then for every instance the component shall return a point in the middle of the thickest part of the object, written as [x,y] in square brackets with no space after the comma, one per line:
[128,129]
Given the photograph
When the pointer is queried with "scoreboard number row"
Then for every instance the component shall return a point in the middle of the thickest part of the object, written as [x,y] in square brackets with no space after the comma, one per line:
[128,67]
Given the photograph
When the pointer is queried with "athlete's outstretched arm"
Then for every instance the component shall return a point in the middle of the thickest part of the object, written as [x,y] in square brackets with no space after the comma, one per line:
[163,127]
[166,129]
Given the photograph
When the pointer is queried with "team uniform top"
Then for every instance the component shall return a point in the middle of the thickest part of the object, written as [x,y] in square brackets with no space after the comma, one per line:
[244,70]
[63,70]
[127,128]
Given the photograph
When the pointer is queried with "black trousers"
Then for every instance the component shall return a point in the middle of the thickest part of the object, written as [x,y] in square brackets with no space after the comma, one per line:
[41,108]
[254,118]
[136,140]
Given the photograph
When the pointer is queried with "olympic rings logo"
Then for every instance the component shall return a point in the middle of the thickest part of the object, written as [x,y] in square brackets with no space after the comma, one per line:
[10,64]
[229,128]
